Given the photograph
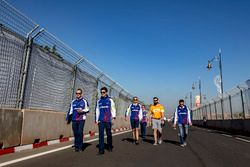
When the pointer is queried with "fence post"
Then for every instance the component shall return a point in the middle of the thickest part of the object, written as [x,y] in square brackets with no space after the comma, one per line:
[242,102]
[74,76]
[210,111]
[215,110]
[206,112]
[73,82]
[230,105]
[25,65]
[222,108]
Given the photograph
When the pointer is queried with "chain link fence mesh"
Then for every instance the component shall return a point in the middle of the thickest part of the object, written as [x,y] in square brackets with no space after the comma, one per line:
[236,105]
[11,57]
[49,82]
[54,72]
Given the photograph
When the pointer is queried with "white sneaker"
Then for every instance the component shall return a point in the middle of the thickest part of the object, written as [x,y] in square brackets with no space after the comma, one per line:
[182,145]
[160,141]
[185,143]
[155,144]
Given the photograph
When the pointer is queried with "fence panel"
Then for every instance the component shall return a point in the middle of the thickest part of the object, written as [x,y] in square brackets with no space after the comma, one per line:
[226,108]
[11,57]
[237,106]
[49,82]
[219,110]
[247,102]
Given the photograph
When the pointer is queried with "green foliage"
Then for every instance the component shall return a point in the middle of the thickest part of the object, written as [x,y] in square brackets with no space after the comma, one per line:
[53,51]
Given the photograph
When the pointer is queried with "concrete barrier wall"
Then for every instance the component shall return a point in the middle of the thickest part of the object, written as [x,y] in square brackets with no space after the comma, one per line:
[10,127]
[43,125]
[20,127]
[239,126]
[49,125]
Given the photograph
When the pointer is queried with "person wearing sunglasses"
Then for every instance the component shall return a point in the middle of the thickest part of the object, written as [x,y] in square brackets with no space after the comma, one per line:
[78,110]
[183,119]
[157,118]
[104,117]
[135,111]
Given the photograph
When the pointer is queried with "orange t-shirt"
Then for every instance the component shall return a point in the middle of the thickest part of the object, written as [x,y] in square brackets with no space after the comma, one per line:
[157,110]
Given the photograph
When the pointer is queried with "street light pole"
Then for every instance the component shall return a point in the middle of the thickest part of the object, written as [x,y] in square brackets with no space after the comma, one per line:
[200,91]
[209,66]
[220,66]
[191,102]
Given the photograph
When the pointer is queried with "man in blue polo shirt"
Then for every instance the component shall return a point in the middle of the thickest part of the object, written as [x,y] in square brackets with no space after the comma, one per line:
[77,114]
[182,117]
[104,117]
[135,117]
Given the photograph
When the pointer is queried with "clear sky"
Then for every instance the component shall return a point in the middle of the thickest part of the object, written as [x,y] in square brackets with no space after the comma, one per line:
[153,47]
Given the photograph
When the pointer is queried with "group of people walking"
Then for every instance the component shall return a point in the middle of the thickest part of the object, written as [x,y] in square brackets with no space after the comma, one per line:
[105,116]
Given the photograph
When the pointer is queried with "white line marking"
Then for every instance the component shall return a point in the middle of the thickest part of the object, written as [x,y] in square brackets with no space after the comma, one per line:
[51,151]
[245,140]
[226,135]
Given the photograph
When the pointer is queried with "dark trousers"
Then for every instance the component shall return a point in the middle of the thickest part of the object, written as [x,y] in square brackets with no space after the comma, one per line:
[143,129]
[107,126]
[77,127]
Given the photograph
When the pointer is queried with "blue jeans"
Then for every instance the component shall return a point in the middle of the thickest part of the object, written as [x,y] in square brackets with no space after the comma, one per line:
[107,126]
[143,129]
[183,129]
[77,127]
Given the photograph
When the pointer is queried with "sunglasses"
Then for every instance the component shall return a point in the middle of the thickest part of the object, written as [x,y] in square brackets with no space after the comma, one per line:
[78,93]
[155,100]
[103,92]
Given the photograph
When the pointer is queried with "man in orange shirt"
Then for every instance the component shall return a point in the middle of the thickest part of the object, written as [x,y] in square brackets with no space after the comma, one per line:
[157,118]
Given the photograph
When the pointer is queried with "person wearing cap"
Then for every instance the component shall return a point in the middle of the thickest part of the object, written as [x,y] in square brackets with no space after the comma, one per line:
[183,119]
[135,111]
[157,118]
[77,115]
[105,115]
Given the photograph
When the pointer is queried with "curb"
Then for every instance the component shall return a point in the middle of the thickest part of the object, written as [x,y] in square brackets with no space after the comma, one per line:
[52,142]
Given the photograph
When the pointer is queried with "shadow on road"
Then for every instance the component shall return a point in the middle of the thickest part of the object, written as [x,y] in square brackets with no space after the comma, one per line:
[148,141]
[150,135]
[85,145]
[128,140]
[172,142]
[106,146]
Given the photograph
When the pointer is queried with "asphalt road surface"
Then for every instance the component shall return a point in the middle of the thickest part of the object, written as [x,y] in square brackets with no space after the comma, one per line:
[205,148]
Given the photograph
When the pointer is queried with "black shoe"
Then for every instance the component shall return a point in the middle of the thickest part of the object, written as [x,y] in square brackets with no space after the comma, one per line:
[77,150]
[110,150]
[100,152]
[136,142]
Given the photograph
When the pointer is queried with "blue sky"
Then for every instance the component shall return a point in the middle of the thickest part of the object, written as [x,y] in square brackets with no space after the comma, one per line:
[153,47]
